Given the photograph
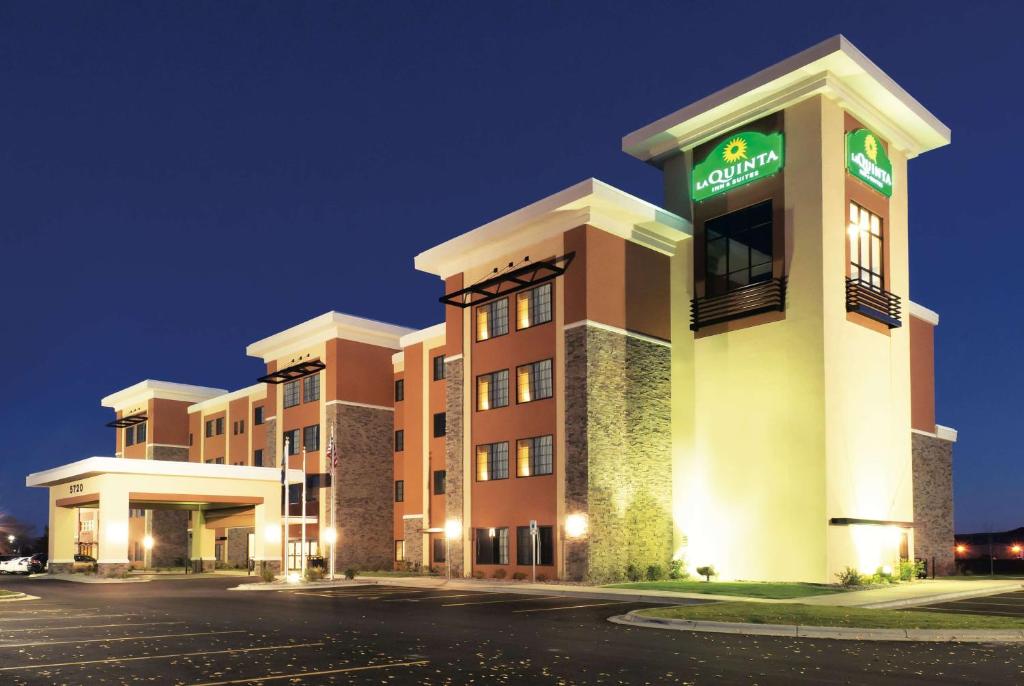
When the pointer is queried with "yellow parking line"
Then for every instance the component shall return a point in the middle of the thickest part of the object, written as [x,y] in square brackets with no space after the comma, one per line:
[82,626]
[520,599]
[442,597]
[122,638]
[570,607]
[322,672]
[46,619]
[287,646]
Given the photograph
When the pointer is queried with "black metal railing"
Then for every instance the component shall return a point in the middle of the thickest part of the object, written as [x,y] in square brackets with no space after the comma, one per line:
[873,302]
[766,296]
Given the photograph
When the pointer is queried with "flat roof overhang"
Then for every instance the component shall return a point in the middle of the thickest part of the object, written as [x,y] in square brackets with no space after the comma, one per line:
[93,466]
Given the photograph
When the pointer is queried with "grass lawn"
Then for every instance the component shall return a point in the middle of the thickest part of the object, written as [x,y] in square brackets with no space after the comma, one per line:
[814,615]
[388,573]
[3,593]
[750,589]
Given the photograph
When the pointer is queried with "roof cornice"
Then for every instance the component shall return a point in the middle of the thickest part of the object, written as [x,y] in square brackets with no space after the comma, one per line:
[324,328]
[164,390]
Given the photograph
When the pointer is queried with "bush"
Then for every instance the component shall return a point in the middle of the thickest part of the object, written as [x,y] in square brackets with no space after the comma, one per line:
[633,573]
[911,570]
[478,574]
[499,574]
[350,573]
[267,573]
[655,573]
[541,578]
[707,571]
[314,574]
[677,570]
[882,577]
[849,578]
[518,576]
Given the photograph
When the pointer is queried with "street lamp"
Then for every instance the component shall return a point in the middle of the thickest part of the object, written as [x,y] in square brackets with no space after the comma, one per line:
[330,536]
[10,542]
[147,543]
[452,529]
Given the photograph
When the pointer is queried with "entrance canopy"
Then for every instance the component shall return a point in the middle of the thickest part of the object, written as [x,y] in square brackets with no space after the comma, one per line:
[217,495]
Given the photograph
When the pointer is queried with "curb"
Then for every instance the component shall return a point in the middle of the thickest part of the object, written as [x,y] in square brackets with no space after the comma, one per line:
[836,633]
[942,597]
[17,597]
[299,586]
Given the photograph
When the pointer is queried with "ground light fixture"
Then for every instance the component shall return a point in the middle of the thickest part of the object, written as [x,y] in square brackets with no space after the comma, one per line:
[452,529]
[330,536]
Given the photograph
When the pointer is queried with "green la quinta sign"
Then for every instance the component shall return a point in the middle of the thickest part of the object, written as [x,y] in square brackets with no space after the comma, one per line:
[867,161]
[738,160]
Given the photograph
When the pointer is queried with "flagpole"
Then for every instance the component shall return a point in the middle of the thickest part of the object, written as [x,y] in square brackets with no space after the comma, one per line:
[302,563]
[334,479]
[287,505]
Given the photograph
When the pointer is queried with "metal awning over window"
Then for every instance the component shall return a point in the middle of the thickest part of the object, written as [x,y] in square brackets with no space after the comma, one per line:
[124,422]
[296,371]
[520,278]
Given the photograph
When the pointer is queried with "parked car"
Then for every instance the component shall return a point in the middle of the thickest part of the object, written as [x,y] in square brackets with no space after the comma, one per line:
[18,565]
[83,563]
[37,563]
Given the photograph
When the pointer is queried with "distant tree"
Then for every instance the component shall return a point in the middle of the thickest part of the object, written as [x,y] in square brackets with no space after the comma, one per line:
[23,533]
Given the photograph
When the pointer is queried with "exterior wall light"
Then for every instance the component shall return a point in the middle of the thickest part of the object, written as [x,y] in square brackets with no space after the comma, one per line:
[452,529]
[330,535]
[147,542]
[272,533]
[961,549]
[576,525]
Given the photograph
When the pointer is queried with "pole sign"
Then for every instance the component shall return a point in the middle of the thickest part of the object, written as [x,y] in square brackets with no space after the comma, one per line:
[740,159]
[866,160]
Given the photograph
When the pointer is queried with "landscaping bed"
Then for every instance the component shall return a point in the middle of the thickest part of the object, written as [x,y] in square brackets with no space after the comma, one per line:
[749,589]
[830,616]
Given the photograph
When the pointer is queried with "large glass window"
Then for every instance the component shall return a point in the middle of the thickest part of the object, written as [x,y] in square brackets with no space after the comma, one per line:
[492,546]
[291,393]
[311,437]
[492,319]
[492,390]
[545,546]
[738,249]
[533,306]
[311,388]
[533,456]
[492,461]
[866,261]
[533,381]
[399,551]
[292,439]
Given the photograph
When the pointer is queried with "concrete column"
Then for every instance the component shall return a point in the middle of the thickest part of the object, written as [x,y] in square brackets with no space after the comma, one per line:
[63,527]
[267,537]
[204,544]
[113,525]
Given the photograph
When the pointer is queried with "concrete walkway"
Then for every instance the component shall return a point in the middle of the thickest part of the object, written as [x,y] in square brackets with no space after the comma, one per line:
[923,592]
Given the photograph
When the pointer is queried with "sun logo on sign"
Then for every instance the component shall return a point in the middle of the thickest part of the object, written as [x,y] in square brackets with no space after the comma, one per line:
[735,150]
[870,147]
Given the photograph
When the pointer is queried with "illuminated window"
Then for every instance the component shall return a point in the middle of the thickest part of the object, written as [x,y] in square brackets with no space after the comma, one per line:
[534,456]
[533,306]
[545,543]
[311,388]
[492,461]
[492,319]
[399,390]
[533,381]
[738,249]
[492,546]
[438,367]
[399,551]
[492,390]
[399,491]
[140,433]
[865,234]
[291,393]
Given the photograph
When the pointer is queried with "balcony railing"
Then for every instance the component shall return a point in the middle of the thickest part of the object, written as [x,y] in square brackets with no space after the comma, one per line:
[873,302]
[767,296]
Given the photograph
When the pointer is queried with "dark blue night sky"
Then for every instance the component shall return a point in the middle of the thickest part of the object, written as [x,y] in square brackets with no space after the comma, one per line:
[181,179]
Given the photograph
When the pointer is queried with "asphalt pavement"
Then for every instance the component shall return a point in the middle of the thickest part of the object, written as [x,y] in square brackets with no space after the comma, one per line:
[196,632]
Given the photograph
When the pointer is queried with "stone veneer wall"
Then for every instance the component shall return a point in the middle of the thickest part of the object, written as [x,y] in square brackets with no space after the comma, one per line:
[454,482]
[363,495]
[169,528]
[933,502]
[238,546]
[270,449]
[414,540]
[618,452]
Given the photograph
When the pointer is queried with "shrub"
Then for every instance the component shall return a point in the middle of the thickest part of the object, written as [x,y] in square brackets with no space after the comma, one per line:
[518,576]
[478,574]
[499,574]
[849,577]
[655,573]
[541,578]
[882,577]
[314,574]
[633,572]
[911,570]
[350,573]
[707,571]
[267,573]
[677,569]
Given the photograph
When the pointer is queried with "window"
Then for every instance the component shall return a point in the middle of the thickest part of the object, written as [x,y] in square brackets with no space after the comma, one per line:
[439,482]
[209,428]
[311,388]
[399,390]
[533,307]
[218,426]
[492,461]
[257,457]
[399,491]
[129,436]
[133,512]
[492,546]
[311,438]
[533,456]
[190,439]
[492,319]
[140,433]
[438,367]
[439,424]
[739,249]
[439,549]
[294,494]
[492,390]
[291,393]
[399,551]
[545,546]
[219,460]
[241,426]
[533,381]
[292,439]
[90,524]
[257,415]
[399,440]
[866,261]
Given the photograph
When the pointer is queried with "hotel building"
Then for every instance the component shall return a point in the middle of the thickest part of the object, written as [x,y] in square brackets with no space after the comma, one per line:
[736,377]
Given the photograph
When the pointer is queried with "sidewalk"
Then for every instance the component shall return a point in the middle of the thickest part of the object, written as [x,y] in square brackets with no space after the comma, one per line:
[923,592]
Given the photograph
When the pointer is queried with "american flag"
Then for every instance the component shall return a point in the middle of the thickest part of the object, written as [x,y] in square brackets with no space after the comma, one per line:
[332,451]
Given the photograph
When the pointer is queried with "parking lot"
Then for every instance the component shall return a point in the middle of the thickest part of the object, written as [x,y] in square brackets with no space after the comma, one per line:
[1003,605]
